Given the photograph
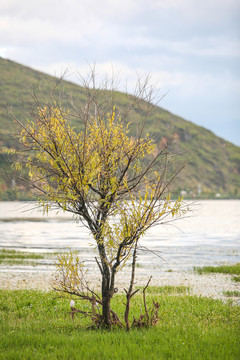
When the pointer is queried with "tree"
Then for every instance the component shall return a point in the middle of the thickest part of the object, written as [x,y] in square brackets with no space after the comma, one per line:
[109,174]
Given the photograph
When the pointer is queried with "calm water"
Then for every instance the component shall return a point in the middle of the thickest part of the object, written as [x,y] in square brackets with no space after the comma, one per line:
[209,236]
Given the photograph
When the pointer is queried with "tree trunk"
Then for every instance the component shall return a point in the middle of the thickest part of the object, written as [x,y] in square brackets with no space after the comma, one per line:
[106,292]
[127,313]
[106,297]
[106,300]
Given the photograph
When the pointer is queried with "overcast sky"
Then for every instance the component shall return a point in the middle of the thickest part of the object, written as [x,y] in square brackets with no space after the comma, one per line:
[191,48]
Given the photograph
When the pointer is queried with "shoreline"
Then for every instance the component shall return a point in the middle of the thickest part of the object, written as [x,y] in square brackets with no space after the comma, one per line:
[208,285]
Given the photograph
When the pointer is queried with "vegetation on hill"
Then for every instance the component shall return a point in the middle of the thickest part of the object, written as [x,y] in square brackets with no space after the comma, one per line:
[213,163]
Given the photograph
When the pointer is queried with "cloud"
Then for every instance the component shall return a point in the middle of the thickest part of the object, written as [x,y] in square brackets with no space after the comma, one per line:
[172,26]
[186,83]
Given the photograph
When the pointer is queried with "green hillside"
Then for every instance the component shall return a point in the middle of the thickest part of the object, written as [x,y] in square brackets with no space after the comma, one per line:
[213,163]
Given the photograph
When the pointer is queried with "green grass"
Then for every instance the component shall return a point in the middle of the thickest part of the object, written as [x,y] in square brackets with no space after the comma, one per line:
[236,278]
[13,254]
[36,325]
[232,293]
[224,269]
[167,289]
[13,257]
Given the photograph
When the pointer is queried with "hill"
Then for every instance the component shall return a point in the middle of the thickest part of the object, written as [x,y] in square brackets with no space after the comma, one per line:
[213,163]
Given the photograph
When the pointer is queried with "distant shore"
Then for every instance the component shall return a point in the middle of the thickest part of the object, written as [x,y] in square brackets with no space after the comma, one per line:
[210,285]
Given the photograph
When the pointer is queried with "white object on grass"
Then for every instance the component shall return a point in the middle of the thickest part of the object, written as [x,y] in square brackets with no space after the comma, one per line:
[72,303]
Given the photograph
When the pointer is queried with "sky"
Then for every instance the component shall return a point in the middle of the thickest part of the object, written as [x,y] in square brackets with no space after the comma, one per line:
[191,48]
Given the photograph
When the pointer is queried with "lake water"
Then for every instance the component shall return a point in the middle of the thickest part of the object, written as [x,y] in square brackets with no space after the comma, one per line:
[209,236]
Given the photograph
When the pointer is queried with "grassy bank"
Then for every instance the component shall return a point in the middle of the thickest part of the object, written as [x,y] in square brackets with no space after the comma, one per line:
[36,325]
[13,257]
[233,269]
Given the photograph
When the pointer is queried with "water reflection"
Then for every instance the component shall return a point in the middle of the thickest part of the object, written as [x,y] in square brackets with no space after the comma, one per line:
[211,235]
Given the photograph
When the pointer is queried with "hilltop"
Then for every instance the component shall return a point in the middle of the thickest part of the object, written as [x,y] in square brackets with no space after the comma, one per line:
[213,163]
